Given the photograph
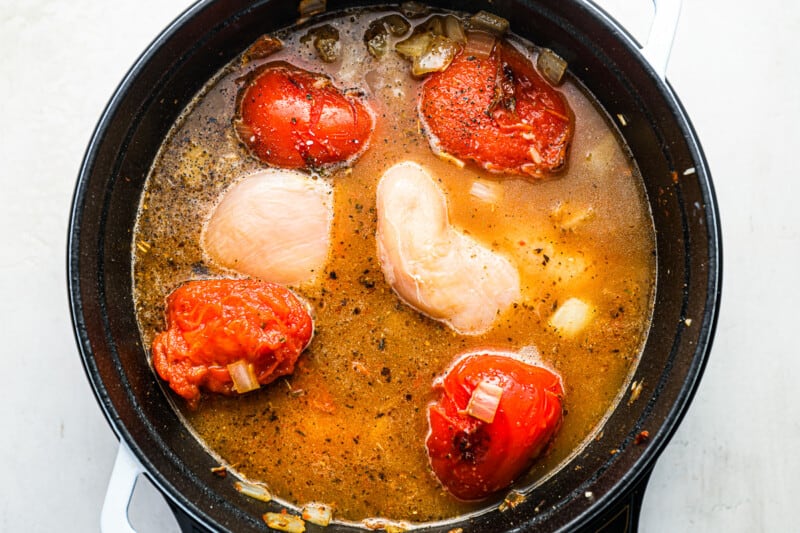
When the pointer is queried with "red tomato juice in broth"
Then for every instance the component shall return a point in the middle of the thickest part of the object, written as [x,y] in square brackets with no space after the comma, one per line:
[348,427]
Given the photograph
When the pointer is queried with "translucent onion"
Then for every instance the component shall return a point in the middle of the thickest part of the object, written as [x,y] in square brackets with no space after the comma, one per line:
[244,376]
[396,24]
[415,45]
[284,522]
[571,317]
[264,47]
[569,217]
[326,41]
[479,44]
[487,191]
[484,401]
[551,65]
[437,57]
[257,491]
[308,8]
[379,30]
[318,513]
[454,30]
[434,25]
[413,9]
[483,20]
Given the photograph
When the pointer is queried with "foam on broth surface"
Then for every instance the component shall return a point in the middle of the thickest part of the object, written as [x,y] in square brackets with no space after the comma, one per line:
[348,428]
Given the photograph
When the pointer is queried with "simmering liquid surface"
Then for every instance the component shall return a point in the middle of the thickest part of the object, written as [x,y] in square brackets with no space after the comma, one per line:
[348,427]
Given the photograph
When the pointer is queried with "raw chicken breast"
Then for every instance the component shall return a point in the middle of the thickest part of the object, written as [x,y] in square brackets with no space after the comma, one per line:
[430,264]
[274,225]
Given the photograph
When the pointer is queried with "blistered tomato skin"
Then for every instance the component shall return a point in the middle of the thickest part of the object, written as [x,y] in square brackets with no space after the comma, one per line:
[499,113]
[292,118]
[213,323]
[473,458]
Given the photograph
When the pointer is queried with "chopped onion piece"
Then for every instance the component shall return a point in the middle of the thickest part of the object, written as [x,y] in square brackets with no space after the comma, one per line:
[413,9]
[487,191]
[483,20]
[454,30]
[244,376]
[414,46]
[264,47]
[308,8]
[437,57]
[379,30]
[571,317]
[512,499]
[318,513]
[551,65]
[479,44]
[375,39]
[389,526]
[636,391]
[396,24]
[326,41]
[285,522]
[257,491]
[569,217]
[434,25]
[484,401]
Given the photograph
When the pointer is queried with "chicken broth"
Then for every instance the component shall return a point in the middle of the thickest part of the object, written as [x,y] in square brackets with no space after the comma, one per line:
[348,427]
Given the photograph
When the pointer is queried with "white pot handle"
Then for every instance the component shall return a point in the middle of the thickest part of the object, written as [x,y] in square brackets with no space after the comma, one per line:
[114,517]
[662,35]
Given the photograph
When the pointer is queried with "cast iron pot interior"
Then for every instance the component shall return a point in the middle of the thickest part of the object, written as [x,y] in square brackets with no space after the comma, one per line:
[588,492]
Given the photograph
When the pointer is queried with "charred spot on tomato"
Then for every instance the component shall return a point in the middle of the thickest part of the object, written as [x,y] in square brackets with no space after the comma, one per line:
[293,118]
[472,444]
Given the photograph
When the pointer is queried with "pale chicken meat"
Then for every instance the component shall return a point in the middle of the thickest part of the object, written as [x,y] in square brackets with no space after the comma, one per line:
[274,225]
[433,266]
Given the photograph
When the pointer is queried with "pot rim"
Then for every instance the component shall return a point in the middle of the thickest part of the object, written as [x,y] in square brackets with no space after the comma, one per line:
[634,474]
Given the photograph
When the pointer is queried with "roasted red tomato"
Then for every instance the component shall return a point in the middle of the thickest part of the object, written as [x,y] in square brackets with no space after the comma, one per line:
[498,112]
[230,336]
[289,117]
[495,416]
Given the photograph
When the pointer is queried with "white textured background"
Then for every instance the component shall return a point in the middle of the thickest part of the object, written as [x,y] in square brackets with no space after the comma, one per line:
[733,465]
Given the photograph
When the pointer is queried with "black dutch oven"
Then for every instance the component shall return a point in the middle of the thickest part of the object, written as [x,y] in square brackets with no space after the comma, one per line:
[604,493]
